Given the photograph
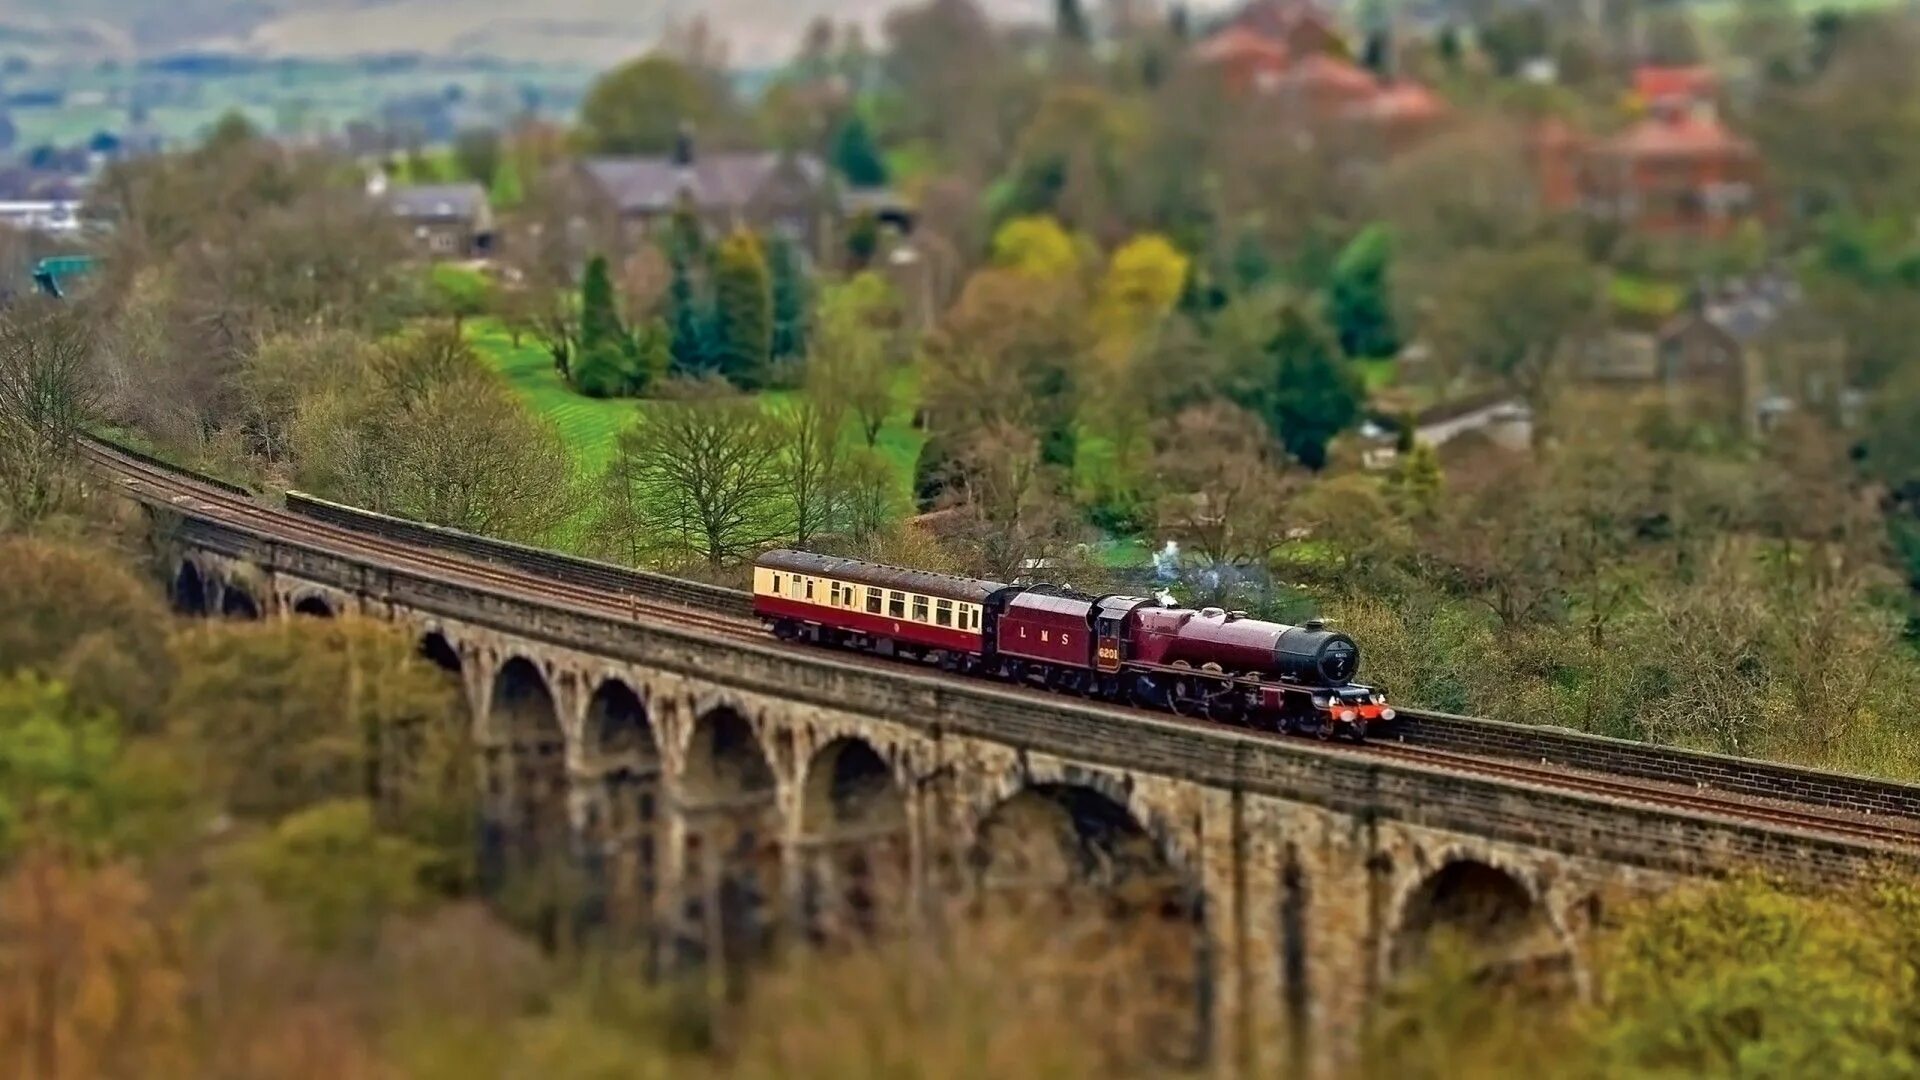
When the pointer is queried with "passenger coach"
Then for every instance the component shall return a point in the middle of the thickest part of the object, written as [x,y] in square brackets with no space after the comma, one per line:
[883,609]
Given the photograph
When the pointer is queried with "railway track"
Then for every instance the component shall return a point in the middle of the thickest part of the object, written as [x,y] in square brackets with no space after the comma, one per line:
[169,485]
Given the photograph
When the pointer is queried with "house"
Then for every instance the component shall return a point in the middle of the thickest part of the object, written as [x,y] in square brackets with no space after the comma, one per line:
[442,221]
[1496,418]
[1741,355]
[54,217]
[1677,173]
[1245,60]
[1302,27]
[1323,87]
[1400,115]
[784,194]
[1661,87]
[1290,53]
[1558,153]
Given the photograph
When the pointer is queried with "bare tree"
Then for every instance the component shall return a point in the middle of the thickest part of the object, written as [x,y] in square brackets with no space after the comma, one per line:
[812,463]
[428,433]
[1227,492]
[851,360]
[871,494]
[46,397]
[1511,316]
[471,456]
[1005,505]
[548,240]
[1497,544]
[699,475]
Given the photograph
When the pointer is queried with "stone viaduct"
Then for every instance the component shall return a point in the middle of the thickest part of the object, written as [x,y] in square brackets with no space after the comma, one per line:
[728,791]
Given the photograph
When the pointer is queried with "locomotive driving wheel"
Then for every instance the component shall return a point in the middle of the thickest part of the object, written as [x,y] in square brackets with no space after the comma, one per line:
[1183,694]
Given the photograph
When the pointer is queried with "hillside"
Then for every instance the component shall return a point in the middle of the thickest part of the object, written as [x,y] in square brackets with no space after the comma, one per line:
[581,31]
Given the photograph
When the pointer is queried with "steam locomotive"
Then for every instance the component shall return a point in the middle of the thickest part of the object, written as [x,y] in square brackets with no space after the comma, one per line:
[1220,665]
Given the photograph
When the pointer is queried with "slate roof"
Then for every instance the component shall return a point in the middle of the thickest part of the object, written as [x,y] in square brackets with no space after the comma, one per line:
[721,181]
[439,202]
[1744,313]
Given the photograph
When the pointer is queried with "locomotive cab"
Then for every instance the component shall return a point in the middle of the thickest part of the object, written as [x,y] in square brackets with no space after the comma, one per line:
[1112,630]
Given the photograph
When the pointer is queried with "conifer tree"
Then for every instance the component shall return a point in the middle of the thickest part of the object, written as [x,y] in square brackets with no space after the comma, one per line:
[599,317]
[687,322]
[791,299]
[742,309]
[856,155]
[1070,22]
[1315,393]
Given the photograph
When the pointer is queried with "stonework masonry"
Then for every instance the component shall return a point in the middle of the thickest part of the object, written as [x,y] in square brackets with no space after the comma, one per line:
[724,792]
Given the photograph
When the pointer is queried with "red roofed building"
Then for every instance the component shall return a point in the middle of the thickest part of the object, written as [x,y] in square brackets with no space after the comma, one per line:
[1247,61]
[1300,25]
[1401,114]
[1324,86]
[1678,173]
[1659,87]
[1290,52]
[1558,153]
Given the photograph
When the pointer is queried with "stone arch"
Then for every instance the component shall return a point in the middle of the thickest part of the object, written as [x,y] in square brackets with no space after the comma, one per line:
[190,590]
[527,782]
[438,650]
[618,724]
[1488,910]
[313,605]
[731,861]
[1079,859]
[853,823]
[1010,783]
[237,603]
[623,806]
[725,761]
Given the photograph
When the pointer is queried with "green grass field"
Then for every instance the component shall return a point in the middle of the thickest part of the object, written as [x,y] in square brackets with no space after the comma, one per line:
[590,426]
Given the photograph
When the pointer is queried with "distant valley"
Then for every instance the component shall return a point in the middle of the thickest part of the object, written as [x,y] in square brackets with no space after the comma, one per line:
[588,32]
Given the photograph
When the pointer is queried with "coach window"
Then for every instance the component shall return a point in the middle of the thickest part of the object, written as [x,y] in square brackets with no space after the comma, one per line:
[809,588]
[919,609]
[776,585]
[897,605]
[873,601]
[833,594]
[943,612]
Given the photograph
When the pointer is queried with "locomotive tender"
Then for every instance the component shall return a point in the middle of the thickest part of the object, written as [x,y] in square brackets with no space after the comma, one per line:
[1209,663]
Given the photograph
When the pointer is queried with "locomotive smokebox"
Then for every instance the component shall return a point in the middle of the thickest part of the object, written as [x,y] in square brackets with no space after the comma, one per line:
[1316,656]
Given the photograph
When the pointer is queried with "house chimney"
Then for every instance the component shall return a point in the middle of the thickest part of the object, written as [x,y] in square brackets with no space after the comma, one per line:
[683,145]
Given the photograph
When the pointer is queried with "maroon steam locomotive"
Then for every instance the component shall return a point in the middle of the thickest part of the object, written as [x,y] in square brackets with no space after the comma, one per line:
[1210,663]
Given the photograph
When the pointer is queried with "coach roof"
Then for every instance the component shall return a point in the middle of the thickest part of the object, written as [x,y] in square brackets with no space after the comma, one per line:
[924,582]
